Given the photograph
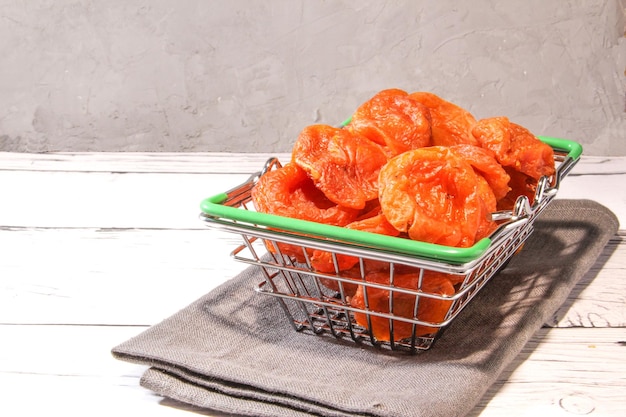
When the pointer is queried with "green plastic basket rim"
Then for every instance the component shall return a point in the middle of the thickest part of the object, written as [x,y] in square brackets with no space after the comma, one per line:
[214,207]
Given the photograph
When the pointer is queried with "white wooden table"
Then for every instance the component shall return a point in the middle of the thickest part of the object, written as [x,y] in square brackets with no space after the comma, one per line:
[96,247]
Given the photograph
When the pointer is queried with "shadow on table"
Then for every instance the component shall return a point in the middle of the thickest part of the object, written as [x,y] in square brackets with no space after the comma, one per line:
[536,340]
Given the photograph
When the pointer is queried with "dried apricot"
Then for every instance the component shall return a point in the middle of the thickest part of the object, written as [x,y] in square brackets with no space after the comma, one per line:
[433,195]
[486,225]
[521,185]
[493,133]
[532,156]
[322,261]
[393,120]
[451,124]
[289,192]
[515,146]
[343,165]
[404,305]
[486,165]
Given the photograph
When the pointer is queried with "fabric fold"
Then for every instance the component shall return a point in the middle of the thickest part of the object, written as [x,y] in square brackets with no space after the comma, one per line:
[233,350]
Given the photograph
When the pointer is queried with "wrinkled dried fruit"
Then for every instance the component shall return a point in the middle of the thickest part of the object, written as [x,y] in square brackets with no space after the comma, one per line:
[451,124]
[524,157]
[485,164]
[289,192]
[521,185]
[487,225]
[433,195]
[322,261]
[532,157]
[344,166]
[393,120]
[493,133]
[404,305]
[515,146]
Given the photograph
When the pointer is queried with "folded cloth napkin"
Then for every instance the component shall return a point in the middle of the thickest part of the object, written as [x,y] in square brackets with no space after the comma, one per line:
[233,351]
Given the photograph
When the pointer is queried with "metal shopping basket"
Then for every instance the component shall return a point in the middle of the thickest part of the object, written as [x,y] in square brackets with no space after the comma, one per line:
[324,303]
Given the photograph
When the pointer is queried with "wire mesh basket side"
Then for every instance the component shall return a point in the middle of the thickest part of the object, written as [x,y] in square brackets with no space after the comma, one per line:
[321,302]
[310,304]
[328,314]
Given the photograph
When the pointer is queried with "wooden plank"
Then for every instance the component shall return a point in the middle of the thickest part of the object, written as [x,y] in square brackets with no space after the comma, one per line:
[599,299]
[69,370]
[138,162]
[28,395]
[604,165]
[81,199]
[140,276]
[606,189]
[561,372]
[108,276]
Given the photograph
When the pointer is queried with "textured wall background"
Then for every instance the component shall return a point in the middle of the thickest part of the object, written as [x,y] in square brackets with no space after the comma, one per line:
[156,75]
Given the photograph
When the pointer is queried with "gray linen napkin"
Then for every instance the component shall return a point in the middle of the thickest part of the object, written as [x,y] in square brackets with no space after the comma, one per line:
[233,350]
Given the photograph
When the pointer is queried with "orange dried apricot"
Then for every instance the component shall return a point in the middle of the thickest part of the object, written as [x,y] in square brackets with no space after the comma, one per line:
[524,157]
[322,261]
[451,124]
[521,185]
[532,156]
[289,192]
[344,166]
[515,146]
[404,305]
[392,119]
[493,133]
[485,164]
[432,194]
[486,224]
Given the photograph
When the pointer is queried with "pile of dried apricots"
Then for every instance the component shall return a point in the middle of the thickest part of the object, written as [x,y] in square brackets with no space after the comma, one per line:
[406,165]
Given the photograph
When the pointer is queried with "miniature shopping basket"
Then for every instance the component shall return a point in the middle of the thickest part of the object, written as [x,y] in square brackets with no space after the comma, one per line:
[322,303]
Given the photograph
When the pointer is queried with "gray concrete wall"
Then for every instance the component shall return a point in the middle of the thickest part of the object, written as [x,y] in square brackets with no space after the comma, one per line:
[206,75]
